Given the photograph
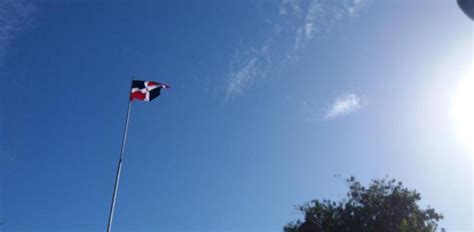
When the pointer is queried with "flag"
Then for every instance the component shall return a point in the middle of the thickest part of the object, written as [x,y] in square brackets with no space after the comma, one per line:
[146,90]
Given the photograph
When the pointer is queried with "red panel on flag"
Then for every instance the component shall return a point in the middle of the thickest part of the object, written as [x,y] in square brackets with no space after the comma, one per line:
[137,95]
[150,83]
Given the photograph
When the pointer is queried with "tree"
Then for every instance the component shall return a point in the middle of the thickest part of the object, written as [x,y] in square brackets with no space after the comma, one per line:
[385,205]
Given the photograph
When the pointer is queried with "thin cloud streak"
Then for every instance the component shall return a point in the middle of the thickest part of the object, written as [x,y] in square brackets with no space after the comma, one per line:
[287,5]
[343,105]
[315,9]
[297,19]
[15,16]
[242,77]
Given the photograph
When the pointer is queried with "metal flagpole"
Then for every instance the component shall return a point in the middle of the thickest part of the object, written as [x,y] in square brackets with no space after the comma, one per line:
[119,167]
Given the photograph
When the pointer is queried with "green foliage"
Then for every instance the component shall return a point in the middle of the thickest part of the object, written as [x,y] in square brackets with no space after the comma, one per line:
[385,205]
[292,226]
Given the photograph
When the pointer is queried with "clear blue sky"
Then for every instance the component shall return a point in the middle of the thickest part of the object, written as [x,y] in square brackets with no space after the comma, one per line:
[269,100]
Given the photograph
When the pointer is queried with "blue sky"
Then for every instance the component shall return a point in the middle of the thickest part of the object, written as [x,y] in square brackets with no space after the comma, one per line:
[269,101]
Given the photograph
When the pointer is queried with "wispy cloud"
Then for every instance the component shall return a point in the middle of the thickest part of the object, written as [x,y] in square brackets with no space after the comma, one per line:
[242,77]
[297,23]
[15,16]
[287,5]
[354,8]
[246,67]
[321,15]
[343,105]
[315,10]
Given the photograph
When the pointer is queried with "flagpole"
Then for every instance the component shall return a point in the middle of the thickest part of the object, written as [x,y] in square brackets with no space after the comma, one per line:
[119,167]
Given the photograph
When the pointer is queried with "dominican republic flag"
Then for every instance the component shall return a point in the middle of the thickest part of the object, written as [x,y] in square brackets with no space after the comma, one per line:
[146,90]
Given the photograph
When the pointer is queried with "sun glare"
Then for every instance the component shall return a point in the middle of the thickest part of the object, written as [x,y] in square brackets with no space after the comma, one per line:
[463,110]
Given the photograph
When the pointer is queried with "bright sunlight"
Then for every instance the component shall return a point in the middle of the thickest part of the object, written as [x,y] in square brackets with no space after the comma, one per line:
[463,110]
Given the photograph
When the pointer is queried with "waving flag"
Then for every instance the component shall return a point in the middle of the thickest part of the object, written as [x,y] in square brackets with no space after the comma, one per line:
[143,91]
[146,90]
